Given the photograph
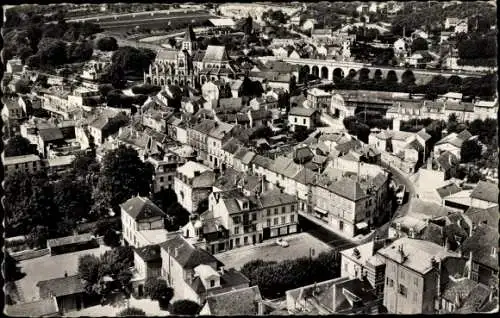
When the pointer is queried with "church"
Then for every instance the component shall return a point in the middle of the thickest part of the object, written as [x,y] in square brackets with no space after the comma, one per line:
[191,66]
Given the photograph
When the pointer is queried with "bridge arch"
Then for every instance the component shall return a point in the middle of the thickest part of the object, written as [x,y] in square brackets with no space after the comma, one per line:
[315,71]
[324,72]
[352,73]
[377,76]
[364,74]
[338,73]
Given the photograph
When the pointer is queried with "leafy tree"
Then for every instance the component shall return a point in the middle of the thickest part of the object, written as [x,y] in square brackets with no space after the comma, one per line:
[73,199]
[123,175]
[293,84]
[172,42]
[300,133]
[52,52]
[11,268]
[133,60]
[419,44]
[107,44]
[79,52]
[84,164]
[452,124]
[157,289]
[115,75]
[146,89]
[131,311]
[89,268]
[111,238]
[17,146]
[185,307]
[38,236]
[470,151]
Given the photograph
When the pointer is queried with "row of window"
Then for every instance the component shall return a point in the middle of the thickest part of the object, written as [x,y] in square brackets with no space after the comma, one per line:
[283,220]
[402,290]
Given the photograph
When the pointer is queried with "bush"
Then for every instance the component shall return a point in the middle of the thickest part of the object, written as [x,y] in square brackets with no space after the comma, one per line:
[111,238]
[157,289]
[131,311]
[107,44]
[185,307]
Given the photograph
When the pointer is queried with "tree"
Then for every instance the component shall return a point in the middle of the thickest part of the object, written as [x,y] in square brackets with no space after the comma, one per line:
[300,133]
[408,78]
[84,164]
[132,60]
[73,199]
[172,42]
[52,52]
[38,236]
[18,146]
[11,268]
[248,26]
[419,44]
[107,44]
[470,151]
[452,124]
[293,84]
[89,269]
[185,307]
[79,52]
[131,311]
[146,89]
[22,86]
[122,176]
[157,289]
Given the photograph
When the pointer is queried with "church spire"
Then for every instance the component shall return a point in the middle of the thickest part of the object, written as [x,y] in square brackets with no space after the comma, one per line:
[189,42]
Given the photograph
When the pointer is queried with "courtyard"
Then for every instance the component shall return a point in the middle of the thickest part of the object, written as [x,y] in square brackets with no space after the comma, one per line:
[299,246]
[49,267]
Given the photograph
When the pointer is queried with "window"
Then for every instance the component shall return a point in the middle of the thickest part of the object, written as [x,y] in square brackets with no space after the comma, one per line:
[212,283]
[402,274]
[304,121]
[237,241]
[283,220]
[341,225]
[276,211]
[268,212]
[268,222]
[283,210]
[237,230]
[292,218]
[275,221]
[254,216]
[161,179]
[402,290]
[390,282]
[169,178]
[295,119]
[345,267]
[236,220]
[292,207]
[415,294]
[245,240]
[415,281]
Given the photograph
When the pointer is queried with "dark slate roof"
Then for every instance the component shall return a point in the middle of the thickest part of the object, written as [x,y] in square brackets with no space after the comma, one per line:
[141,208]
[486,191]
[39,308]
[61,286]
[480,244]
[302,111]
[448,189]
[348,188]
[488,216]
[460,288]
[476,299]
[242,301]
[51,134]
[262,161]
[231,146]
[149,253]
[187,256]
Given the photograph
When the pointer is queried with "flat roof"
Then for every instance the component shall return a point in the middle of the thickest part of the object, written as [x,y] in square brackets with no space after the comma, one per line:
[19,159]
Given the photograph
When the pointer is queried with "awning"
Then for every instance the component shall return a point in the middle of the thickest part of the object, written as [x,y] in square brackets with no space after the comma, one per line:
[361,225]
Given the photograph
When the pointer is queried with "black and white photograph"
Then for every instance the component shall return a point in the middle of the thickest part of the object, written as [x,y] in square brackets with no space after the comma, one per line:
[249,158]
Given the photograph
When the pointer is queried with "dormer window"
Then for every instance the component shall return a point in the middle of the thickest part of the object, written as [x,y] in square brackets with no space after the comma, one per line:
[212,283]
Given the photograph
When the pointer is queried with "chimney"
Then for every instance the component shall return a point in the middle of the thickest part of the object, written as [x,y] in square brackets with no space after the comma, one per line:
[221,270]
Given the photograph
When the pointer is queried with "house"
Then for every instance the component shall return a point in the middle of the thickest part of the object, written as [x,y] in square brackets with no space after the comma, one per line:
[465,296]
[265,102]
[242,159]
[486,109]
[143,223]
[39,308]
[415,272]
[452,143]
[419,34]
[446,162]
[165,170]
[14,66]
[339,295]
[462,26]
[12,116]
[147,264]
[244,301]
[444,36]
[193,184]
[419,59]
[217,136]
[363,262]
[303,117]
[481,247]
[194,273]
[246,218]
[69,292]
[138,140]
[309,24]
[453,97]
[26,163]
[104,124]
[484,195]
[319,99]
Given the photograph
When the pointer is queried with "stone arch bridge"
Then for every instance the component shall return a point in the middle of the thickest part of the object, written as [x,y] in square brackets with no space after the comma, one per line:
[331,69]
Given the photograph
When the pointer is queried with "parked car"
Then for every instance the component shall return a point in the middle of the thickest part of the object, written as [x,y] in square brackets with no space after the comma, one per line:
[281,242]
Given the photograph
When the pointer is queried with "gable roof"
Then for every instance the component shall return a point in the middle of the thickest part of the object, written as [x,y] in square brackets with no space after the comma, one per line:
[215,53]
[63,286]
[242,301]
[39,308]
[485,191]
[141,208]
[149,253]
[185,254]
[488,216]
[348,188]
[301,111]
[480,243]
[51,134]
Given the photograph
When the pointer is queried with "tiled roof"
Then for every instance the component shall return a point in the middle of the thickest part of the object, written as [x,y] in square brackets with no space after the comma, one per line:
[40,308]
[51,134]
[63,286]
[348,188]
[187,255]
[216,54]
[231,146]
[301,111]
[262,161]
[149,253]
[485,191]
[141,208]
[460,107]
[488,216]
[423,134]
[448,189]
[460,288]
[480,244]
[447,160]
[242,301]
[476,299]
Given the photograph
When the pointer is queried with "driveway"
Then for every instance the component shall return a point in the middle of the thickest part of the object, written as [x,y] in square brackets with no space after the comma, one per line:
[299,245]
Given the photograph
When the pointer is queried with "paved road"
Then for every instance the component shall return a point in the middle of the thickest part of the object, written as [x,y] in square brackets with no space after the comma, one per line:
[400,178]
[328,237]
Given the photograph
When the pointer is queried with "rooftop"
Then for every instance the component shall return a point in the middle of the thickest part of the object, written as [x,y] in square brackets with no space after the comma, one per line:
[417,253]
[74,239]
[485,191]
[301,111]
[185,254]
[63,286]
[190,167]
[39,308]
[19,159]
[242,301]
[149,253]
[141,208]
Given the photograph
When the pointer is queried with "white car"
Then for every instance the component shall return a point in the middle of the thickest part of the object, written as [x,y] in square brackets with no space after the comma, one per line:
[282,242]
